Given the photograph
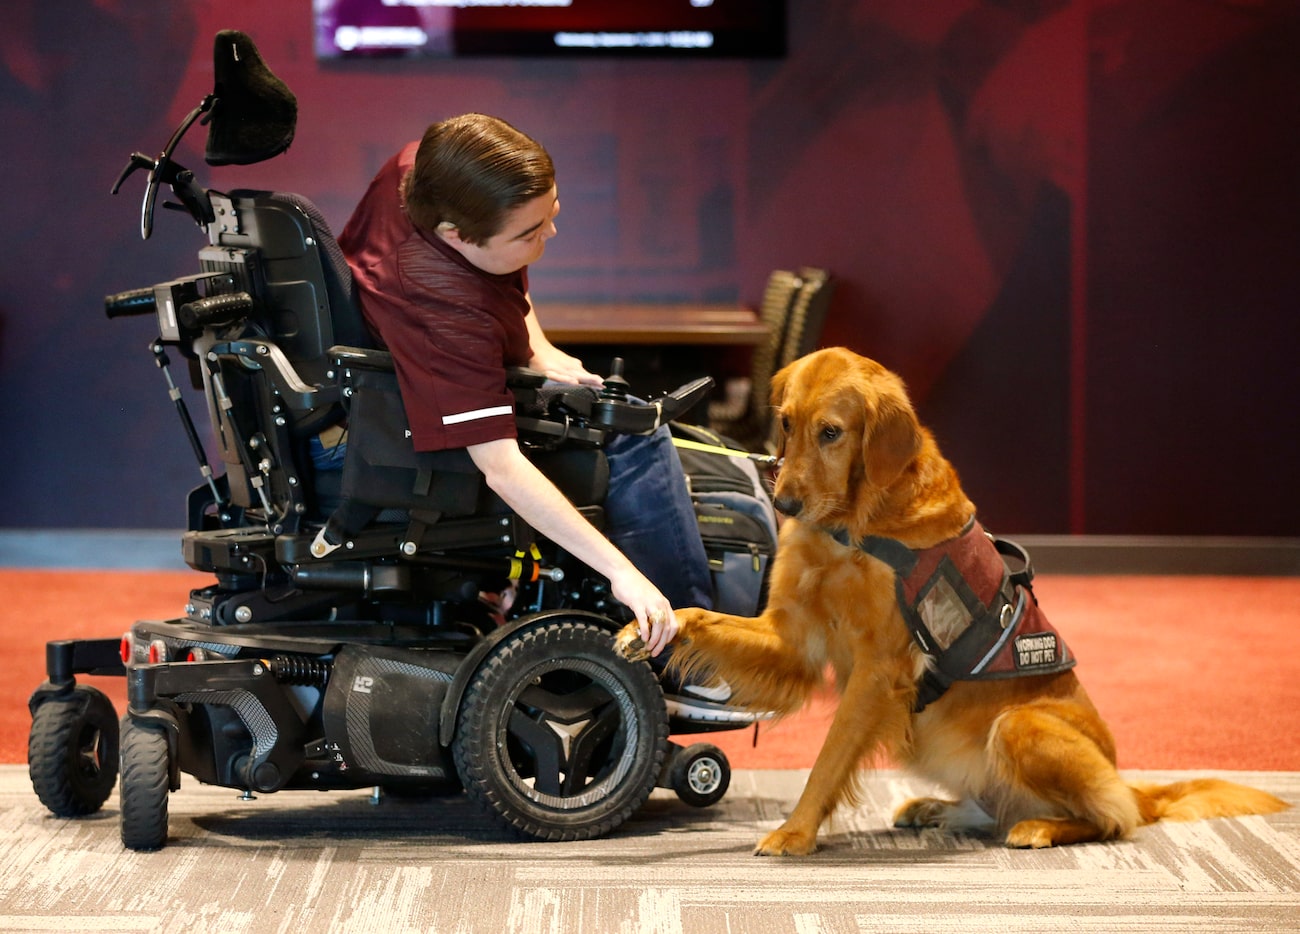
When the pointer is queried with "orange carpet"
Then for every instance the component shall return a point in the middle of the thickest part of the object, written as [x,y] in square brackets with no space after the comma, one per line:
[1190,672]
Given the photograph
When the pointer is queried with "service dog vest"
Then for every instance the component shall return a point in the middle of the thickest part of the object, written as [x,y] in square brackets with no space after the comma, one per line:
[971,609]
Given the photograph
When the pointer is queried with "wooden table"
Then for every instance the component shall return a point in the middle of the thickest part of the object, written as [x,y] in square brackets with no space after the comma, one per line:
[635,323]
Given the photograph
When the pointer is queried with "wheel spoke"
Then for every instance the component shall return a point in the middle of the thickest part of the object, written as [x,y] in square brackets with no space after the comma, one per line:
[585,753]
[567,706]
[544,748]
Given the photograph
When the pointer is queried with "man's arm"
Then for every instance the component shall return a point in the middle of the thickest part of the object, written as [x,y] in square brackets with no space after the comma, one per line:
[549,359]
[529,493]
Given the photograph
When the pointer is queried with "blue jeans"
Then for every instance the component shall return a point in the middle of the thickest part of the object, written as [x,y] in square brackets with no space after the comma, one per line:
[650,518]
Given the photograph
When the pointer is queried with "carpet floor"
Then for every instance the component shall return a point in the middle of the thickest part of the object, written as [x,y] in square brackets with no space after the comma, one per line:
[304,861]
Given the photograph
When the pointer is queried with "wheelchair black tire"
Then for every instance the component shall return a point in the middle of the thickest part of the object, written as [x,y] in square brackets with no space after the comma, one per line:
[72,752]
[700,774]
[559,738]
[145,785]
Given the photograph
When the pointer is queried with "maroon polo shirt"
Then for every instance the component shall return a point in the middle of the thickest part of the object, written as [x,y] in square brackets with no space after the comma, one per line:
[451,327]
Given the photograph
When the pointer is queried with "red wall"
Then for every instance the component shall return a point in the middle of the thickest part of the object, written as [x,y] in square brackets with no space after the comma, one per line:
[1072,227]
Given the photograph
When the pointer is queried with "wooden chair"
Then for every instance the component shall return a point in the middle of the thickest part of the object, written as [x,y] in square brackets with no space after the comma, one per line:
[797,299]
[807,315]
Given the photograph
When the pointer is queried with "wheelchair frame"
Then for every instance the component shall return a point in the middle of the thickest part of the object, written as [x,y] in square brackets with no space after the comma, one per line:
[351,647]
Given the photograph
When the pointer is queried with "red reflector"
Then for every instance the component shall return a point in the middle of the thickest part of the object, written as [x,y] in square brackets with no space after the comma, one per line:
[125,649]
[157,651]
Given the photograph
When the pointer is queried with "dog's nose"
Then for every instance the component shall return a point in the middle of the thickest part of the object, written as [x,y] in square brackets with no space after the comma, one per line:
[788,505]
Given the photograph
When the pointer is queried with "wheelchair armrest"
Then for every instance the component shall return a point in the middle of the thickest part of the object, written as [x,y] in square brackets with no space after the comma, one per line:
[644,417]
[550,433]
[365,358]
[521,377]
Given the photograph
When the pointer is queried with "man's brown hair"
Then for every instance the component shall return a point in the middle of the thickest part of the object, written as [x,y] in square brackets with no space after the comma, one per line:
[470,171]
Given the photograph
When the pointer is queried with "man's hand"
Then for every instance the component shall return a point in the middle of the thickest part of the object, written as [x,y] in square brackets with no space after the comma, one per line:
[656,622]
[559,366]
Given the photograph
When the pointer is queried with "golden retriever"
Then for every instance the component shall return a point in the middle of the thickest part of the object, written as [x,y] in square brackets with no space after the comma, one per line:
[1029,752]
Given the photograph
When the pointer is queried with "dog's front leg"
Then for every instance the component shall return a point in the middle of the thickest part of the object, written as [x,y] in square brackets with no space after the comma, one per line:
[764,671]
[858,727]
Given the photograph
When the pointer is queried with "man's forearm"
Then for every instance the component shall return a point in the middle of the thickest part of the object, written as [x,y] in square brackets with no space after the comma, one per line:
[528,492]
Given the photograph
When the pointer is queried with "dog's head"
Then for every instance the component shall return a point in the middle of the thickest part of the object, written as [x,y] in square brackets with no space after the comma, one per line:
[847,434]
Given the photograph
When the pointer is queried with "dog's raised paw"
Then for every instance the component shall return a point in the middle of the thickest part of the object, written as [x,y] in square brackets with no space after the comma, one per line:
[629,645]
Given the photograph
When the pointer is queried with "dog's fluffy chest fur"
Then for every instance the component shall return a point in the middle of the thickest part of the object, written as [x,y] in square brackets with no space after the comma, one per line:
[835,624]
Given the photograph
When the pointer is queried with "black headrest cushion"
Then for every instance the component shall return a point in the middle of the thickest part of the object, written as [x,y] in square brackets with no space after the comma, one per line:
[254,113]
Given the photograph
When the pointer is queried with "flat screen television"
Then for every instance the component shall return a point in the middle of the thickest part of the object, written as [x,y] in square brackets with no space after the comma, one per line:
[347,29]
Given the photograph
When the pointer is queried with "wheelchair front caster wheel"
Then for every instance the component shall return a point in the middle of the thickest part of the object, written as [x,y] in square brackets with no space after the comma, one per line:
[72,752]
[144,786]
[700,774]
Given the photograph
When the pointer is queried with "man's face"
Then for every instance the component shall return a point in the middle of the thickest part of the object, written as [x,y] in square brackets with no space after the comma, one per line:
[521,241]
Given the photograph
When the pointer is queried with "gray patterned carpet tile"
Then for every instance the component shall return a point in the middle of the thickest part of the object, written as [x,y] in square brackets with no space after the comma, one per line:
[305,861]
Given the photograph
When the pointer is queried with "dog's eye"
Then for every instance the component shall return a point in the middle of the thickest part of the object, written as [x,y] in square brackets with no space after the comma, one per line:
[831,433]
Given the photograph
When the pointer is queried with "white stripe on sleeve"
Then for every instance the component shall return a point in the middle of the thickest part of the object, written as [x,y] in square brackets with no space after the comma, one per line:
[477,414]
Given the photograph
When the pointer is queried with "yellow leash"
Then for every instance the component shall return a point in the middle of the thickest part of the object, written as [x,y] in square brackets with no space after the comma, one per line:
[767,460]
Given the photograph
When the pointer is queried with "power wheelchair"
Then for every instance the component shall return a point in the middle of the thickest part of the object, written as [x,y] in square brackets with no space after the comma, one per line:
[348,640]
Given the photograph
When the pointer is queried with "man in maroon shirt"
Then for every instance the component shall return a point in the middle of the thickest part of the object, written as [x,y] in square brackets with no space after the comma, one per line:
[439,248]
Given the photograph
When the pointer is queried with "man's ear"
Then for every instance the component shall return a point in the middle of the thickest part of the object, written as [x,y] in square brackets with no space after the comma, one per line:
[450,235]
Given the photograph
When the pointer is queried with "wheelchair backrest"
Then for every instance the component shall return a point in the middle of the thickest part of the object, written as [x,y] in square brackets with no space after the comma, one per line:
[271,387]
[278,248]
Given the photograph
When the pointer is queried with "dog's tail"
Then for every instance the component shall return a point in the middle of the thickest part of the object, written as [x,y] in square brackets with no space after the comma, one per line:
[1202,798]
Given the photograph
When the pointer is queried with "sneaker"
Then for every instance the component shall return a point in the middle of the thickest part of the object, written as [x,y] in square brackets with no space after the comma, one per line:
[706,703]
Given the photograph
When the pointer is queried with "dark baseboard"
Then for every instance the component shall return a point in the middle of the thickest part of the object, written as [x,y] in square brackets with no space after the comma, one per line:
[1134,554]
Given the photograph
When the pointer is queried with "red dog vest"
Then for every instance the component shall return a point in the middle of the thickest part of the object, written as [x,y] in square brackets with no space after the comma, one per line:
[971,609]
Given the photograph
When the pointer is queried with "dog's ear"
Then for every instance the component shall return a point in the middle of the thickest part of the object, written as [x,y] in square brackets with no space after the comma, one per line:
[776,396]
[776,389]
[891,441]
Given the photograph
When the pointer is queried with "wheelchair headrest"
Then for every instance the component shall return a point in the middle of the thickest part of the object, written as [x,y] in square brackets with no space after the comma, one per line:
[254,113]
